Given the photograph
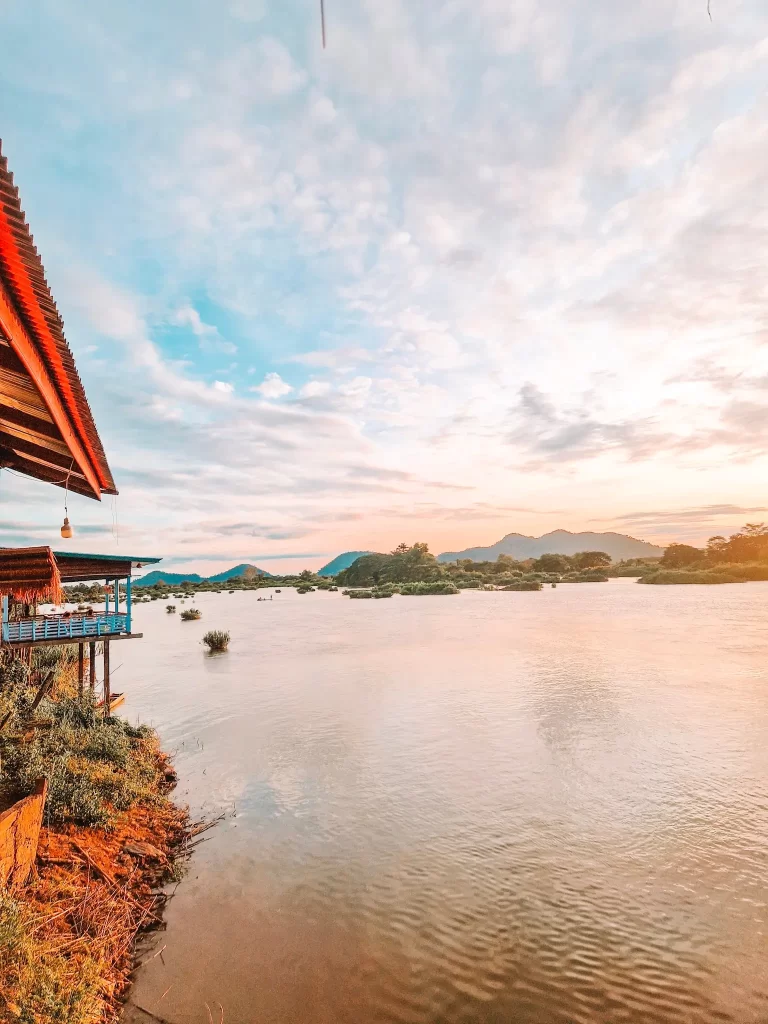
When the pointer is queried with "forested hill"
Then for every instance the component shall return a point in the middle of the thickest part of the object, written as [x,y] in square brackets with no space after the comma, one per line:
[559,542]
[340,562]
[173,579]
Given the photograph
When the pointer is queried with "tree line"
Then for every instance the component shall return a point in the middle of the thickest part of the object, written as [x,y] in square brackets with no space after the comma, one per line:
[415,563]
[750,544]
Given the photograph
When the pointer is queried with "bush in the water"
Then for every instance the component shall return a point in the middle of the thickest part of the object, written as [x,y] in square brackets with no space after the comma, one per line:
[425,589]
[305,590]
[358,594]
[170,608]
[216,640]
[190,614]
[672,576]
[524,585]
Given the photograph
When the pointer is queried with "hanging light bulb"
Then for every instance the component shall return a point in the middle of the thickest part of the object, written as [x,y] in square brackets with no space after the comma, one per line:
[66,529]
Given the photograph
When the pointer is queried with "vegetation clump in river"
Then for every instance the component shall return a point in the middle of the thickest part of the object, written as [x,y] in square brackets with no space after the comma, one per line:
[216,640]
[111,837]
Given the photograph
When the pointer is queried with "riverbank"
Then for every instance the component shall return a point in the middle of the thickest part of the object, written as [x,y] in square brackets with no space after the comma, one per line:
[111,838]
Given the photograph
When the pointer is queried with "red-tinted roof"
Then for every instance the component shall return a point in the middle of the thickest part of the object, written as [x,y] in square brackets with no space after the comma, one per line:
[46,426]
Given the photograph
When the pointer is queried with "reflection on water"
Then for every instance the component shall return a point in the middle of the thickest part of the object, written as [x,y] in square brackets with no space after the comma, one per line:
[509,807]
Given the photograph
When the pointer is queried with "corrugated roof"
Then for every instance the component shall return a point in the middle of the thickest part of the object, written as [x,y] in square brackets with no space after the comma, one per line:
[46,425]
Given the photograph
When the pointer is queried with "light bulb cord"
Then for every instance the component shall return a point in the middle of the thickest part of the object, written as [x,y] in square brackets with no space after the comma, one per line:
[66,489]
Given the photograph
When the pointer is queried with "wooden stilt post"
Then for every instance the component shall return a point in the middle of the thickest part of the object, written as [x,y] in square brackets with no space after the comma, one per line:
[80,669]
[107,693]
[92,664]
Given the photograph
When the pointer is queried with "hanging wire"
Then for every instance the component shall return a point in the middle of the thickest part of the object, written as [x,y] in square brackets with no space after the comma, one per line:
[66,489]
[322,20]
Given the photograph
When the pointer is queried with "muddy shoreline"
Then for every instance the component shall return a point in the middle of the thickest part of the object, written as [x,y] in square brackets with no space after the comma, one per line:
[69,939]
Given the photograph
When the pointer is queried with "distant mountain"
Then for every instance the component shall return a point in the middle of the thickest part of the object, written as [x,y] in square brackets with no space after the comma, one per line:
[237,570]
[341,562]
[173,579]
[559,542]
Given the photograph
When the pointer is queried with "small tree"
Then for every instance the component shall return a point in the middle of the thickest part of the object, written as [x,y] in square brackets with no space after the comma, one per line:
[552,563]
[677,556]
[591,559]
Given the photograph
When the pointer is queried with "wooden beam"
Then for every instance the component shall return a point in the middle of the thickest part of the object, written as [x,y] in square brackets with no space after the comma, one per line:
[62,640]
[92,665]
[12,425]
[107,693]
[25,349]
[80,669]
[42,469]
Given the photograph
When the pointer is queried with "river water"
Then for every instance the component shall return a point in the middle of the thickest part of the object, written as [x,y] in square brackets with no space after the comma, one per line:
[498,807]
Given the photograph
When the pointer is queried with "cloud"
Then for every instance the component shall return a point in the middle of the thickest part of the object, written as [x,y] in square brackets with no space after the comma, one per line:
[315,389]
[207,335]
[273,386]
[356,391]
[575,432]
[697,515]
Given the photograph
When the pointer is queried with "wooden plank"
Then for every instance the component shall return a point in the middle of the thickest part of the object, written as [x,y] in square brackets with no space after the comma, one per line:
[11,425]
[92,665]
[80,669]
[19,833]
[64,640]
[107,708]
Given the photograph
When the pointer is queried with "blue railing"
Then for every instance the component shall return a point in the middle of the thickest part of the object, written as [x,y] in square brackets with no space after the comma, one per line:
[63,628]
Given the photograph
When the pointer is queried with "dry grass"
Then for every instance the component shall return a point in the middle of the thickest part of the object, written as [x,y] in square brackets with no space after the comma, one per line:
[66,940]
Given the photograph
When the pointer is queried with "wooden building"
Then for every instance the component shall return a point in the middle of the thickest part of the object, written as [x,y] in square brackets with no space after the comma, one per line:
[47,432]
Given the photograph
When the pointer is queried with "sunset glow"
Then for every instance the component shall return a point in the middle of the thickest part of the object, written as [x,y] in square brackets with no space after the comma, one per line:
[475,268]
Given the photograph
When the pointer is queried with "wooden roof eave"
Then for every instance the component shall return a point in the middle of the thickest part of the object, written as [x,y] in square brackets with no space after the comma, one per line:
[31,327]
[24,348]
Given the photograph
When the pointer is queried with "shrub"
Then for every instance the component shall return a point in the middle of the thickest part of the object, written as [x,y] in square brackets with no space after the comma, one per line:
[191,614]
[358,594]
[171,609]
[95,767]
[425,589]
[305,590]
[667,577]
[524,585]
[216,640]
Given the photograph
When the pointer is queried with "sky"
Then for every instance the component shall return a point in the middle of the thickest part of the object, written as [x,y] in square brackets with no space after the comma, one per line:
[478,267]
